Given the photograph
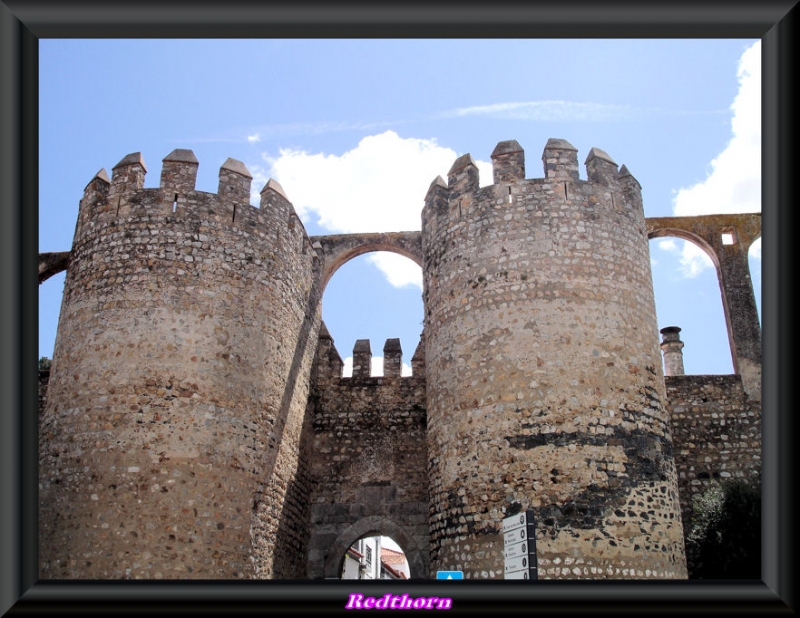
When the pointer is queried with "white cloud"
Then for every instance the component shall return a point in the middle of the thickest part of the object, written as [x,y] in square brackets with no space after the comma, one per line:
[694,260]
[399,271]
[547,111]
[253,138]
[734,183]
[378,186]
[691,259]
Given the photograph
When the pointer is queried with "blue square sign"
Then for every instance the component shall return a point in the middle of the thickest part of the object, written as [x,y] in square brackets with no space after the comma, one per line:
[449,574]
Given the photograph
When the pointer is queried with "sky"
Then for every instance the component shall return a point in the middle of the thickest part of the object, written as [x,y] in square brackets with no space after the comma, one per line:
[355,131]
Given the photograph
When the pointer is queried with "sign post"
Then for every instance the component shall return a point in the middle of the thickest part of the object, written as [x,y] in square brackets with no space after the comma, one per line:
[519,546]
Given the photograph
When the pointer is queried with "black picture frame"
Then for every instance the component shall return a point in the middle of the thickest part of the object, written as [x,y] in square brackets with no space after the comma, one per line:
[24,22]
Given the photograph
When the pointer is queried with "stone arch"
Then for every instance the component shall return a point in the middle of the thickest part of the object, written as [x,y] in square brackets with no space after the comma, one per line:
[689,236]
[338,249]
[681,279]
[51,264]
[706,231]
[733,273]
[376,525]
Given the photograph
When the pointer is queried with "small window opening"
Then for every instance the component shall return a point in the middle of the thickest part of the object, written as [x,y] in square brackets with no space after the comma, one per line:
[175,203]
[728,238]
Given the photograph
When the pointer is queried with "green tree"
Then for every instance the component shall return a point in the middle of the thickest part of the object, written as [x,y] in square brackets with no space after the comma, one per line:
[725,538]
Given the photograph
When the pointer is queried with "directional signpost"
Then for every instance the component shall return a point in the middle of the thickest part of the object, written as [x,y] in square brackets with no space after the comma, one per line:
[519,546]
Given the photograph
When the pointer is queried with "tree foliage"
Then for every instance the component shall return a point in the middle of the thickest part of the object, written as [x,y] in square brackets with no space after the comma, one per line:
[725,538]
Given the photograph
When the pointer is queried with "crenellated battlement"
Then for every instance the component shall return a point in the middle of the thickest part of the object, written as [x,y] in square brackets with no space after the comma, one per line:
[179,172]
[605,185]
[192,362]
[128,175]
[330,365]
[508,162]
[124,198]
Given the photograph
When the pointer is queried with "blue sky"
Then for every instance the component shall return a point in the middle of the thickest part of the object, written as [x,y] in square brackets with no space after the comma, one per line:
[356,130]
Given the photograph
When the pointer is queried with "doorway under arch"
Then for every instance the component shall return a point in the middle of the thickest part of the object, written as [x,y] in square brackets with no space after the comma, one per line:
[376,525]
[376,558]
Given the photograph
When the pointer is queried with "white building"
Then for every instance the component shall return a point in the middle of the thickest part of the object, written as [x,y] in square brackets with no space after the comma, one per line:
[369,558]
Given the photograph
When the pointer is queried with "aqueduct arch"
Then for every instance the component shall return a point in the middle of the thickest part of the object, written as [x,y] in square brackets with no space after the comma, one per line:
[727,239]
[51,264]
[338,249]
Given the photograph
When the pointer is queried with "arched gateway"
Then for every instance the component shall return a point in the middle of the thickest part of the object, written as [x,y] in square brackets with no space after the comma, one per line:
[196,409]
[376,526]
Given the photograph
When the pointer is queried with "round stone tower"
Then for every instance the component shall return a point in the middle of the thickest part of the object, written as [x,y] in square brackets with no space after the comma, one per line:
[179,380]
[545,387]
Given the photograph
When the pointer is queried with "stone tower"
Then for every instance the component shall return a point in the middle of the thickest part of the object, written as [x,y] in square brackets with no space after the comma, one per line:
[179,379]
[180,436]
[544,378]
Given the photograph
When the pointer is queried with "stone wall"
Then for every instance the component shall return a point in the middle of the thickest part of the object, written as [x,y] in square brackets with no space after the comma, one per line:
[368,458]
[196,423]
[545,386]
[177,393]
[716,432]
[716,436]
[44,380]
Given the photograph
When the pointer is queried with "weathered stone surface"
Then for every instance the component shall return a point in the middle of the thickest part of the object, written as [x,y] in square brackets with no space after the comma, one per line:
[368,458]
[716,431]
[545,385]
[52,263]
[170,438]
[196,424]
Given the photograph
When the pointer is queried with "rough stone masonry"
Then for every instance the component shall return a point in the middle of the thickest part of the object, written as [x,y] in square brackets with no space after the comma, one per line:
[196,423]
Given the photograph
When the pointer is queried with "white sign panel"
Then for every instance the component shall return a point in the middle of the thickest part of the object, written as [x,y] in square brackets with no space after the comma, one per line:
[516,549]
[519,563]
[516,536]
[514,522]
[519,546]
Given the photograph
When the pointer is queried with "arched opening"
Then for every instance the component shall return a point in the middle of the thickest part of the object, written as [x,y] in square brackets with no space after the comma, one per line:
[375,297]
[375,557]
[754,261]
[51,293]
[365,531]
[687,294]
